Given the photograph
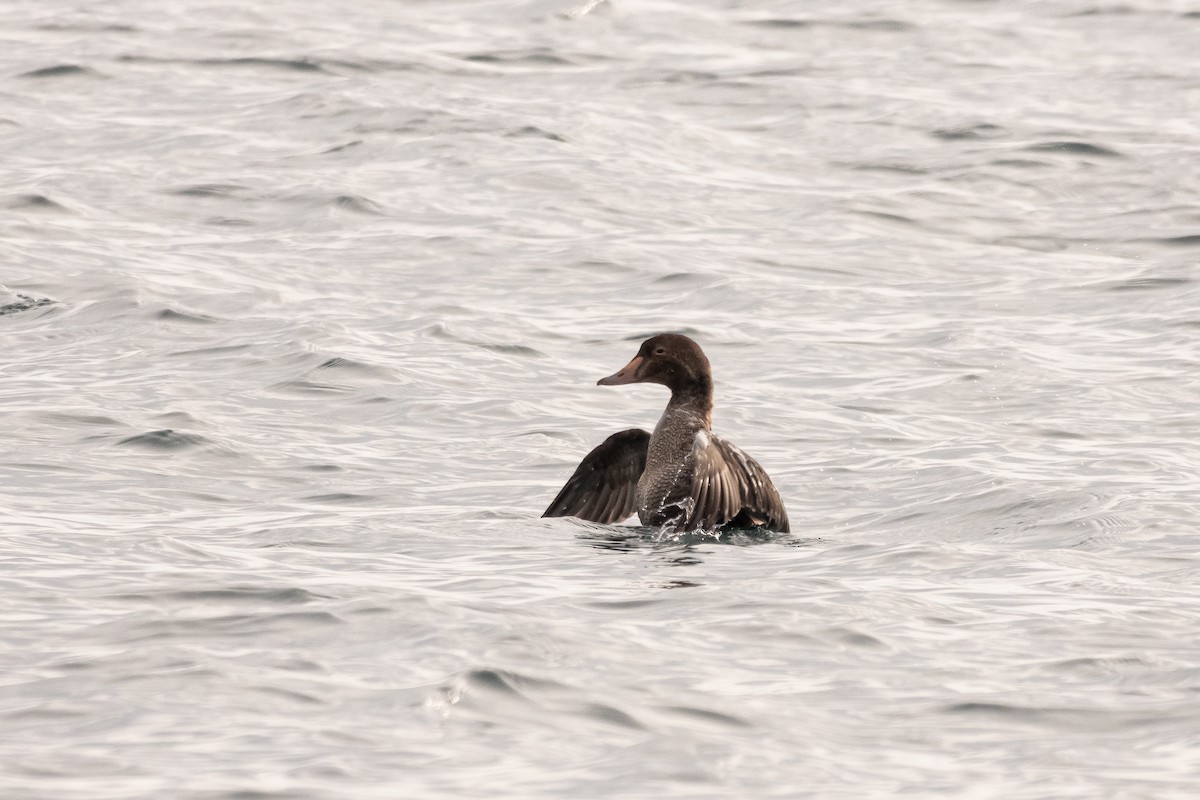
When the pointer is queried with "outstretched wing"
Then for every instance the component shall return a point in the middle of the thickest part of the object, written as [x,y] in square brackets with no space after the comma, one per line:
[730,488]
[604,486]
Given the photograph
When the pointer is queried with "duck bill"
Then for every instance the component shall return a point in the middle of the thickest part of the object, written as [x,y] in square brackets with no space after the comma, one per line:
[627,374]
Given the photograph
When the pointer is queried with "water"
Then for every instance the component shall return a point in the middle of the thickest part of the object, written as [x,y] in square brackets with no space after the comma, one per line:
[303,309]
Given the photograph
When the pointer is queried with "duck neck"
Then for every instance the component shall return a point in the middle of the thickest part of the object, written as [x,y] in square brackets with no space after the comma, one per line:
[694,400]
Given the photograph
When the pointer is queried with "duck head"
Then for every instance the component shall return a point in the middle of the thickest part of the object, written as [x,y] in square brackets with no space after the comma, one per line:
[671,359]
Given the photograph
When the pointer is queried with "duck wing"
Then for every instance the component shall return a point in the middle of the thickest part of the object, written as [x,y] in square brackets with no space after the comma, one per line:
[604,486]
[729,488]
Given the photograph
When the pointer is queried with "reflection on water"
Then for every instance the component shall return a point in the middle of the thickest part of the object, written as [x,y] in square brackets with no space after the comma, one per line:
[628,539]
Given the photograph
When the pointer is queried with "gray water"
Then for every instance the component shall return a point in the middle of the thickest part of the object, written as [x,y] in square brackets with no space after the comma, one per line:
[303,308]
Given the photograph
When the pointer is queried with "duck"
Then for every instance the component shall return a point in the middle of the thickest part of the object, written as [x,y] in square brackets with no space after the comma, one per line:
[682,477]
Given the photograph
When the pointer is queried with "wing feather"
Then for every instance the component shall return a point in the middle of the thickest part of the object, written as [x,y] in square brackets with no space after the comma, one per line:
[729,488]
[603,487]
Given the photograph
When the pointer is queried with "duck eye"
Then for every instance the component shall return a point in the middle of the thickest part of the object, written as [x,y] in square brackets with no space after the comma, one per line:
[660,351]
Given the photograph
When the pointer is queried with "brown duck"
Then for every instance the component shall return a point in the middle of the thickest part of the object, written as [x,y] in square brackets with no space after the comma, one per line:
[682,477]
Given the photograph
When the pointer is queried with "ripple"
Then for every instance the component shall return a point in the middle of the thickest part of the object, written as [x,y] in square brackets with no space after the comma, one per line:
[887,25]
[705,715]
[442,331]
[1085,720]
[1144,284]
[82,419]
[507,682]
[291,695]
[300,65]
[33,202]
[779,23]
[1191,240]
[289,595]
[209,190]
[979,131]
[287,64]
[630,605]
[340,498]
[306,387]
[343,147]
[534,132]
[166,440]
[1056,433]
[534,56]
[87,27]
[44,714]
[61,71]
[853,638]
[1073,148]
[603,712]
[354,367]
[219,350]
[24,302]
[888,217]
[1092,665]
[359,205]
[792,24]
[1021,163]
[184,317]
[239,625]
[508,695]
[899,169]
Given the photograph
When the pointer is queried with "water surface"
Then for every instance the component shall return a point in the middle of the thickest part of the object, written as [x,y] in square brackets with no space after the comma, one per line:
[303,310]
